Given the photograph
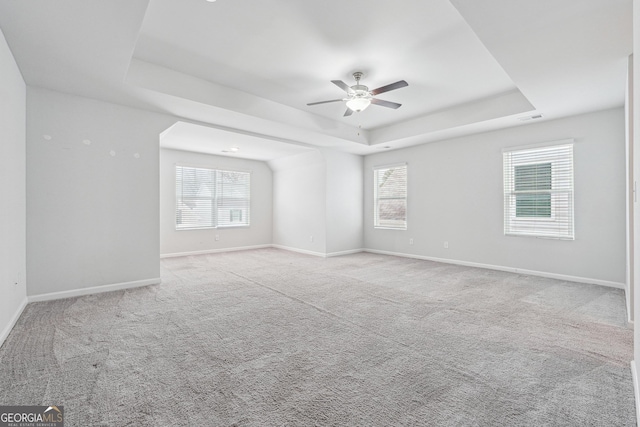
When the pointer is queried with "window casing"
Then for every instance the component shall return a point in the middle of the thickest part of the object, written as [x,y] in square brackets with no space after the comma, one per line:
[390,196]
[211,198]
[538,191]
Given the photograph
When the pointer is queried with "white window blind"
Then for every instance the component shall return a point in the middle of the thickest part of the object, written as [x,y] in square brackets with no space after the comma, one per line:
[209,198]
[233,198]
[538,191]
[390,196]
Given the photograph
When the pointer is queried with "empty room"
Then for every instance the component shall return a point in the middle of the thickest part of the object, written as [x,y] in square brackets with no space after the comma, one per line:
[339,213]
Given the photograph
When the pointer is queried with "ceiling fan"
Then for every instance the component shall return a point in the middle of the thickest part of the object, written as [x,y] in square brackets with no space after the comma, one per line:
[360,97]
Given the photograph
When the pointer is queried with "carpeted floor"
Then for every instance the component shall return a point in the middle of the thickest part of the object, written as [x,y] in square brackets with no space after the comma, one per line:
[274,338]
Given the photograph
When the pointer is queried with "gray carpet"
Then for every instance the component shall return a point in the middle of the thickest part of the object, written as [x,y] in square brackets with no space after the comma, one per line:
[273,338]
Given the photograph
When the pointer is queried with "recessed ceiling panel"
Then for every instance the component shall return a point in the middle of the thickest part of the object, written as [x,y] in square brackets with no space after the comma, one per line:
[253,65]
[288,52]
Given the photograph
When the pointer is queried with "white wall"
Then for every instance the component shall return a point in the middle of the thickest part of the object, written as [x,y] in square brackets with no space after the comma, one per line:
[318,195]
[13,288]
[636,210]
[455,195]
[92,218]
[629,131]
[344,201]
[299,202]
[189,241]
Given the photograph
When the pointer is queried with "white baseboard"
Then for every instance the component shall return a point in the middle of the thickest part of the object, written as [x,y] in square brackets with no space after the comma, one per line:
[636,390]
[12,322]
[349,252]
[93,290]
[627,300]
[628,304]
[507,269]
[320,254]
[245,248]
[214,251]
[301,251]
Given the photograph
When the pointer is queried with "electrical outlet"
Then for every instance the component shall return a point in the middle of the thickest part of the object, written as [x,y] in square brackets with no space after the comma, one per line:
[411,241]
[217,237]
[446,245]
[311,238]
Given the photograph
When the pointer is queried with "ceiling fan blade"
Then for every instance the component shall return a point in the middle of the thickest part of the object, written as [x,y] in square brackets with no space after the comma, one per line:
[342,85]
[387,88]
[348,112]
[387,104]
[324,102]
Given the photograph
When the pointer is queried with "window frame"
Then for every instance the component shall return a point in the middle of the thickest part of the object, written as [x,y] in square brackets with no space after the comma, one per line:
[216,198]
[561,222]
[376,217]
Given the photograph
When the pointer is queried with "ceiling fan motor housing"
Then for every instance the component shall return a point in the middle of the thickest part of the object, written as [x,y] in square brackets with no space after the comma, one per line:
[360,90]
[360,97]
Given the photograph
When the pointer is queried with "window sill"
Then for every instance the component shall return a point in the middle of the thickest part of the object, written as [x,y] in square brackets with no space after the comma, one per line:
[541,236]
[389,228]
[214,228]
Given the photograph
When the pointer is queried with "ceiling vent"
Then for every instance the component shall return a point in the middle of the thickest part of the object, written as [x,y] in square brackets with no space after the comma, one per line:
[527,118]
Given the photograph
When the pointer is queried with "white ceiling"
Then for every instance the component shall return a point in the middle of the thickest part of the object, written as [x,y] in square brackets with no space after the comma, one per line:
[248,68]
[209,140]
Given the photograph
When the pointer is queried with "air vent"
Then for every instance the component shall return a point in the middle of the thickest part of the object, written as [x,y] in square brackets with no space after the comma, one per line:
[527,118]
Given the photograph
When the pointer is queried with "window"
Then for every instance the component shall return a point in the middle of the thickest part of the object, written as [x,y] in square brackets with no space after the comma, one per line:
[538,191]
[390,196]
[210,198]
[233,198]
[537,179]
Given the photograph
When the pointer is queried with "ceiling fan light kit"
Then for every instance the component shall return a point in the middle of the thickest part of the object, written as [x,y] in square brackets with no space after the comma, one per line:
[360,97]
[358,104]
